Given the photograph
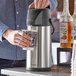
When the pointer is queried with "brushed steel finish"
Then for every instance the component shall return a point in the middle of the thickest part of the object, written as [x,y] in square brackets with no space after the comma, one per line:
[40,57]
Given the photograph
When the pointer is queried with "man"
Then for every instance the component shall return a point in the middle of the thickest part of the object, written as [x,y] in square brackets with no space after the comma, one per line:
[12,20]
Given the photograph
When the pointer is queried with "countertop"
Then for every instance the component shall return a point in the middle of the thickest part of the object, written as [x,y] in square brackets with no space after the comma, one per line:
[22,72]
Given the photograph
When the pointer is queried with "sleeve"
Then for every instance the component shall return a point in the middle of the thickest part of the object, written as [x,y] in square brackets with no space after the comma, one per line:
[53,4]
[3,28]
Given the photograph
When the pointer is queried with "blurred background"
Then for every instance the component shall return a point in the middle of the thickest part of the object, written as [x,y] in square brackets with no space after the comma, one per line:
[71,6]
[55,16]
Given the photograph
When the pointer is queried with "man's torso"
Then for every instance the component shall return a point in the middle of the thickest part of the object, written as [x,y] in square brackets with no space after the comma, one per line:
[13,13]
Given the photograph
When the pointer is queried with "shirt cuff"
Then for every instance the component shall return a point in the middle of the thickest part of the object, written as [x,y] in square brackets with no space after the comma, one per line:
[3,28]
[53,5]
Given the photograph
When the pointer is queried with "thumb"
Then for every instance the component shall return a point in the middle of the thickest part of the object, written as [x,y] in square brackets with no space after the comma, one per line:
[32,5]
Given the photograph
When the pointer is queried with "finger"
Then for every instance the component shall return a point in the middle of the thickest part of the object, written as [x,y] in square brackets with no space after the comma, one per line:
[24,35]
[44,4]
[40,3]
[32,5]
[36,3]
[47,3]
[22,39]
[21,43]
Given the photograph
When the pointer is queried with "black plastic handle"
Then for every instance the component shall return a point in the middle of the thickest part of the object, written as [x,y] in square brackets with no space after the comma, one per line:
[52,26]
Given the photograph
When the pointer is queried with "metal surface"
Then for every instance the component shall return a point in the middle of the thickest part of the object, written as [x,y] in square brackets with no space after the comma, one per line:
[40,57]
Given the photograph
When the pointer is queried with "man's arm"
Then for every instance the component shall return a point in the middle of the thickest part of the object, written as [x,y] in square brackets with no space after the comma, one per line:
[14,37]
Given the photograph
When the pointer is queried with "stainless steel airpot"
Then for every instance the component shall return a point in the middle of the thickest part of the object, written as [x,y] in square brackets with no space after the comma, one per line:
[40,57]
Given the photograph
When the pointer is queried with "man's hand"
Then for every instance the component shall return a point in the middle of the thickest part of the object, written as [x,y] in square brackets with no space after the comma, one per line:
[17,38]
[39,4]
